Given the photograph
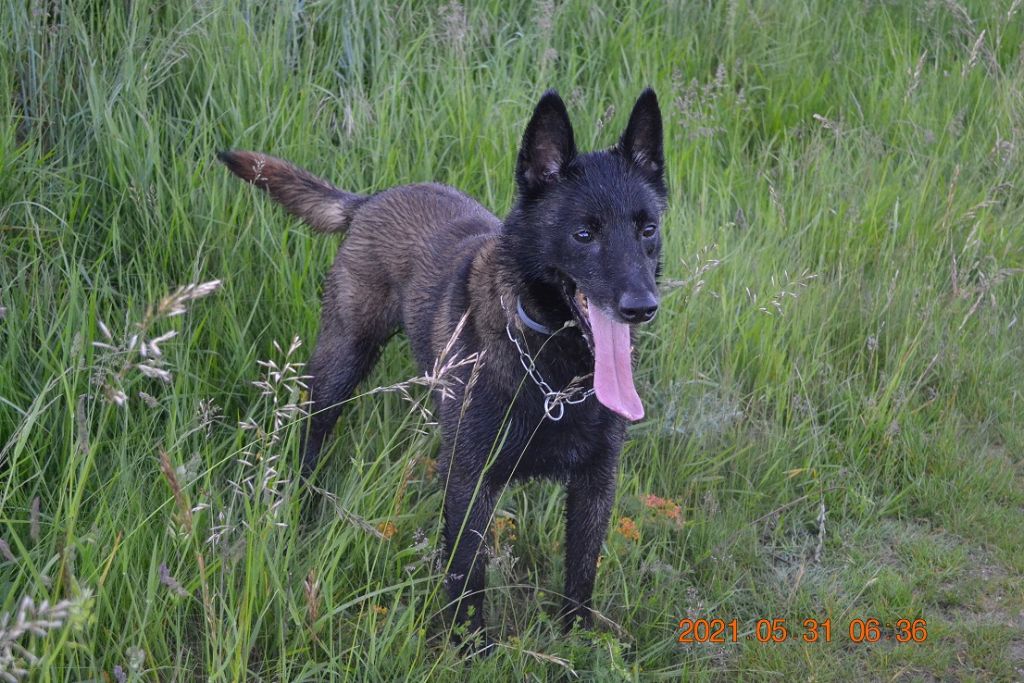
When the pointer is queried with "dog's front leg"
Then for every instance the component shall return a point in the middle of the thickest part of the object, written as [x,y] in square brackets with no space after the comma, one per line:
[468,506]
[591,492]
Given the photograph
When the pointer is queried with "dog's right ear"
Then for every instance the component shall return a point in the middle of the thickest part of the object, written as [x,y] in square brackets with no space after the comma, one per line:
[548,145]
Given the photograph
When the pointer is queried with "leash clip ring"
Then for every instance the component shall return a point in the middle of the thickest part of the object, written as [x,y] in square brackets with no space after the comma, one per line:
[554,408]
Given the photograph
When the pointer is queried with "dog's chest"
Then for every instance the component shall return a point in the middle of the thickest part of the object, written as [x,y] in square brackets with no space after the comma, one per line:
[540,446]
[549,448]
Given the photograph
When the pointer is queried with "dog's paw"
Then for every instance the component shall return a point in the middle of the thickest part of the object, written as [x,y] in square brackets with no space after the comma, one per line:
[576,618]
[481,645]
[471,639]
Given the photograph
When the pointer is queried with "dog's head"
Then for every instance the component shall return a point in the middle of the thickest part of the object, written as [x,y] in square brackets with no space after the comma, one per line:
[589,224]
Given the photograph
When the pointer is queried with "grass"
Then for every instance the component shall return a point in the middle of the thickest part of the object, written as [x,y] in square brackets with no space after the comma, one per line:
[834,385]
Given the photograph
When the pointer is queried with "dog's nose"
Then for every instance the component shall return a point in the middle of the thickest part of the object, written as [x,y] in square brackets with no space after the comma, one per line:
[638,308]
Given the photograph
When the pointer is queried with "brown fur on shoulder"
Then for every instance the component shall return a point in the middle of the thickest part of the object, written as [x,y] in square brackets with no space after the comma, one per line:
[323,206]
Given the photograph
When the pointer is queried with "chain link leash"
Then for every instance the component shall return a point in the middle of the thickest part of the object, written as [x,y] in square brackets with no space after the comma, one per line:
[554,401]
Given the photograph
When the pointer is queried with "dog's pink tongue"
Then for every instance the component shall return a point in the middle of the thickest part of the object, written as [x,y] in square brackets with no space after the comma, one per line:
[613,369]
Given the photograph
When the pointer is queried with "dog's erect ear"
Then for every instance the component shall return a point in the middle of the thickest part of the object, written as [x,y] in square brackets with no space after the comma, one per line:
[641,143]
[548,145]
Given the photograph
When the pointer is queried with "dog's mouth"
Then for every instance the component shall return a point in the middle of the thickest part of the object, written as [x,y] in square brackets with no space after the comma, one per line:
[609,340]
[579,306]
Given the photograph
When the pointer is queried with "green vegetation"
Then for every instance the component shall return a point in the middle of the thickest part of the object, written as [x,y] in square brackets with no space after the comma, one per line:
[834,385]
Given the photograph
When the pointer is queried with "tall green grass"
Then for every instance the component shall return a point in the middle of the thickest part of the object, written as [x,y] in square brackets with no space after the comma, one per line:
[834,385]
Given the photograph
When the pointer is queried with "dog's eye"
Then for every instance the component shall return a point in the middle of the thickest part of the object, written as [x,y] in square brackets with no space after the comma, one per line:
[583,235]
[649,230]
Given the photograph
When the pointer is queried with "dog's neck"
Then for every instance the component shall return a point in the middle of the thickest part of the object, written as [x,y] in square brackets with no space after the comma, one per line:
[525,318]
[496,283]
[543,305]
[500,280]
[535,297]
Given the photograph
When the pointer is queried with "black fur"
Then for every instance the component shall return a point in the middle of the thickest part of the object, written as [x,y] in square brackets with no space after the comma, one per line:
[424,256]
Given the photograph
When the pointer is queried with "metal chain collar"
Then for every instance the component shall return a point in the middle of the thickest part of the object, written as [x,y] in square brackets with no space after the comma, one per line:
[554,401]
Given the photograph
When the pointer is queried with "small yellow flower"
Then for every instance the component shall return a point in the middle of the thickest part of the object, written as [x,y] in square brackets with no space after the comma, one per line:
[664,506]
[628,528]
[387,529]
[505,527]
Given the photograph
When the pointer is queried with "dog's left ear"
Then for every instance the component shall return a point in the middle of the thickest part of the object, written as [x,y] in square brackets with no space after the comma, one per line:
[641,143]
[548,145]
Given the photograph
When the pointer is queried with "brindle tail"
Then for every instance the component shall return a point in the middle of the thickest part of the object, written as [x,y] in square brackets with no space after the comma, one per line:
[324,207]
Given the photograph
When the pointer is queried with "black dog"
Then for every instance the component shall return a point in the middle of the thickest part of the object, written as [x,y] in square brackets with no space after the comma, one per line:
[554,288]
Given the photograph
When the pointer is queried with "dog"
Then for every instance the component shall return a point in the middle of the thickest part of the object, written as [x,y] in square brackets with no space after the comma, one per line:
[546,300]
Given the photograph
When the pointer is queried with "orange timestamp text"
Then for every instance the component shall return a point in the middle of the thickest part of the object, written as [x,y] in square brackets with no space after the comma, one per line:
[779,630]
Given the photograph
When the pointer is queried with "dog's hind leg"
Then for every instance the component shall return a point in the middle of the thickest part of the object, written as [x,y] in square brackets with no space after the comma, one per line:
[336,368]
[347,348]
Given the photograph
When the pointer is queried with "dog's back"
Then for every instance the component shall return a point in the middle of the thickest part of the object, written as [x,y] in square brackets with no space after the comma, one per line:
[401,246]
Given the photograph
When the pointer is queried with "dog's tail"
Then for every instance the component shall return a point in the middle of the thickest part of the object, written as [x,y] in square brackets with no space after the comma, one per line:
[324,207]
